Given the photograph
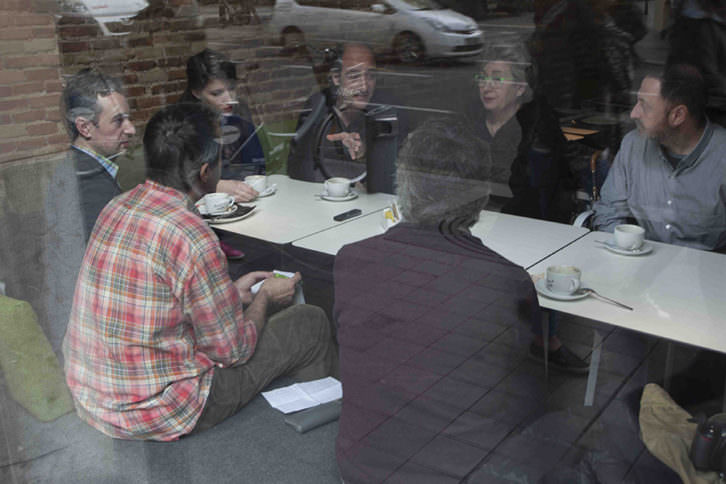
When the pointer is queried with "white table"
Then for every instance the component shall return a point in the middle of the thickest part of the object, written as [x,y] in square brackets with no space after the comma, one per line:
[675,292]
[295,212]
[522,240]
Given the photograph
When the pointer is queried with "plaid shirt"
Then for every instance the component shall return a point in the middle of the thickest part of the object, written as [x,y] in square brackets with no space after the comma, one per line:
[154,312]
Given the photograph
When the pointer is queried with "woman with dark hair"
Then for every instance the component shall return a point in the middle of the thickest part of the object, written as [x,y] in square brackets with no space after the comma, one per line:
[528,147]
[211,79]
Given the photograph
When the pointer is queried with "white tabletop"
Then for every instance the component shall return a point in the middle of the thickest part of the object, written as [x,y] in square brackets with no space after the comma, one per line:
[522,240]
[676,292]
[295,212]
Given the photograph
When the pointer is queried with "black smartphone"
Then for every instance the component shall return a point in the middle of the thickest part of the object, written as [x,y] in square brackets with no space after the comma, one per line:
[346,215]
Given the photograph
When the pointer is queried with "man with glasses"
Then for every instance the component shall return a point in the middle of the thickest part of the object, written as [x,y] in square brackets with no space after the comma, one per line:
[670,174]
[346,131]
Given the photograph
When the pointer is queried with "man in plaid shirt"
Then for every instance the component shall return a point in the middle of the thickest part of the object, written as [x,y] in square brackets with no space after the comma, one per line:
[161,342]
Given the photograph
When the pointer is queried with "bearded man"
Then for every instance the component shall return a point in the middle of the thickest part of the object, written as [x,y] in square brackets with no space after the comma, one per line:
[670,174]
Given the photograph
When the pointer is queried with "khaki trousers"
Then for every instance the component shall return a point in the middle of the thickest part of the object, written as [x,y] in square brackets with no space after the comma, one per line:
[295,342]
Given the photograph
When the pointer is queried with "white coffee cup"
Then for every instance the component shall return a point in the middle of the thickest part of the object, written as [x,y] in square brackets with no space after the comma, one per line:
[258,182]
[563,279]
[337,187]
[629,237]
[217,203]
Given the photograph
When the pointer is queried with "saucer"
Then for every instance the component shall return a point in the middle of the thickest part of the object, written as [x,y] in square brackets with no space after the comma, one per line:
[646,248]
[202,208]
[350,196]
[271,190]
[242,211]
[541,286]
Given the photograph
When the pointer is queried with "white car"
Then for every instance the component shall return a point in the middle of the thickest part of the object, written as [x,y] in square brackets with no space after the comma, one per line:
[412,29]
[105,11]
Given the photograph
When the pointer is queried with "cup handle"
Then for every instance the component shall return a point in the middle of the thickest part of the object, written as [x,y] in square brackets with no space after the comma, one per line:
[574,285]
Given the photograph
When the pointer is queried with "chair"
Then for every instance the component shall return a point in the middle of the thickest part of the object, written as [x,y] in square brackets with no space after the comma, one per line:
[592,183]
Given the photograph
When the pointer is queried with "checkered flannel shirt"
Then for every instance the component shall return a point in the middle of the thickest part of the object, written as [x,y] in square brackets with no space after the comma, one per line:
[154,313]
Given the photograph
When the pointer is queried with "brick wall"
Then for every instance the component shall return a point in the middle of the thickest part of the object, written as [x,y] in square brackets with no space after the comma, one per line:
[29,82]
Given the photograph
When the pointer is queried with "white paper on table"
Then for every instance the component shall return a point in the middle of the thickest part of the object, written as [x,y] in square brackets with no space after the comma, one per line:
[300,396]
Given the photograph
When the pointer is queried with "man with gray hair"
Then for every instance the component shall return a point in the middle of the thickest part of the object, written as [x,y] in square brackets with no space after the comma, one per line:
[98,123]
[83,182]
[418,309]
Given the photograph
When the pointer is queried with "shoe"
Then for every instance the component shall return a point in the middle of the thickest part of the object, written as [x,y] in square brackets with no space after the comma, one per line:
[231,252]
[562,359]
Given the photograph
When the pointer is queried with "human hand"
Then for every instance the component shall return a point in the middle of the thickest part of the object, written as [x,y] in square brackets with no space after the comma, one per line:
[245,283]
[241,191]
[352,142]
[280,290]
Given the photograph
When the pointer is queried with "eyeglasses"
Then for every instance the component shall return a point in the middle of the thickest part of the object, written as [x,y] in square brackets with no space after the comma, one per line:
[356,75]
[497,81]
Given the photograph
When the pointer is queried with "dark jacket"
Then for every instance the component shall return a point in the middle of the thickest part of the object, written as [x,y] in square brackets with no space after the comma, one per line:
[412,305]
[541,181]
[96,187]
[382,127]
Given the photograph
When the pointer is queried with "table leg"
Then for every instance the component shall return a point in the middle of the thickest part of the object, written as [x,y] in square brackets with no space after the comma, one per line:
[594,367]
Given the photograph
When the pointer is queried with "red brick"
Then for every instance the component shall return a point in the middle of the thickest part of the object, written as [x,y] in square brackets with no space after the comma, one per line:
[10,77]
[104,43]
[58,139]
[41,74]
[53,86]
[29,88]
[43,32]
[177,74]
[5,91]
[42,129]
[33,19]
[171,62]
[5,119]
[53,114]
[12,105]
[43,101]
[71,32]
[39,60]
[140,41]
[130,79]
[6,148]
[28,116]
[15,33]
[194,36]
[135,91]
[141,66]
[148,102]
[73,46]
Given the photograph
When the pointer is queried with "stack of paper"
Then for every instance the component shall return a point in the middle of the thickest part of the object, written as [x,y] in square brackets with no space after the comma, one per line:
[304,395]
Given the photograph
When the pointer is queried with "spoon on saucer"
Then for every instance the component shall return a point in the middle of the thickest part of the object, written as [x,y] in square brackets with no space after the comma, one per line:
[594,293]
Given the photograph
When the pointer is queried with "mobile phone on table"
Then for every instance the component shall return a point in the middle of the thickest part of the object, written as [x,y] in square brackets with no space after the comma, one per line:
[346,215]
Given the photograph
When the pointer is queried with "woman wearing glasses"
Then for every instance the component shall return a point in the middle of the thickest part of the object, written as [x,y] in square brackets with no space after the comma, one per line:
[527,145]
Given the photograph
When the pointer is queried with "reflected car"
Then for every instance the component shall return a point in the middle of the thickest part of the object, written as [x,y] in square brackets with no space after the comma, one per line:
[105,11]
[411,29]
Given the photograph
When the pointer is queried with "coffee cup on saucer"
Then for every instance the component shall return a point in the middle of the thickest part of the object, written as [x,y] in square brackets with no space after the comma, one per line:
[337,187]
[258,182]
[217,203]
[563,279]
[629,237]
